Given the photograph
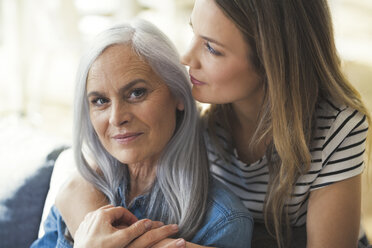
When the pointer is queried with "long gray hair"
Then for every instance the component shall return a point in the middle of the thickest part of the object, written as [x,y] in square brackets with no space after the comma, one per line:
[179,193]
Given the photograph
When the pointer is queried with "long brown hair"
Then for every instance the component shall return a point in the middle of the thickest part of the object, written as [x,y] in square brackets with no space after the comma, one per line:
[294,52]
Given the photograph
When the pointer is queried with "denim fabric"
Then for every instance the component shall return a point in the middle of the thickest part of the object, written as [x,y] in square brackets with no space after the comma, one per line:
[54,228]
[227,222]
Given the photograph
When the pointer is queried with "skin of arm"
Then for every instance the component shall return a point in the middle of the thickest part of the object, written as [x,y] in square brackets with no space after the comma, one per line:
[333,215]
[78,192]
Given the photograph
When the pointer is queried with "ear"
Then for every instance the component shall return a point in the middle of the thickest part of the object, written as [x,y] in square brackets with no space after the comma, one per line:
[180,105]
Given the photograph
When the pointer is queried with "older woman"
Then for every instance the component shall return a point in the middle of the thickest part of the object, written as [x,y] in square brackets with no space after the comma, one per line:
[137,120]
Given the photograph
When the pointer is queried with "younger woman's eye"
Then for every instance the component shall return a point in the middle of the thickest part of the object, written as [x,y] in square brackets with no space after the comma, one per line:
[137,94]
[211,49]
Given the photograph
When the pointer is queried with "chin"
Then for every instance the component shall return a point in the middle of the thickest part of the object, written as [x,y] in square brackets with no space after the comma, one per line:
[126,159]
[205,98]
[199,97]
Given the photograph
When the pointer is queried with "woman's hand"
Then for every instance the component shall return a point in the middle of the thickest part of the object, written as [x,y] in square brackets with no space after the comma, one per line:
[112,227]
[98,230]
[171,243]
[157,238]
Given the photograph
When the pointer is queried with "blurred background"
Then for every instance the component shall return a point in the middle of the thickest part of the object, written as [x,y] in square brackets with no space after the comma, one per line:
[41,42]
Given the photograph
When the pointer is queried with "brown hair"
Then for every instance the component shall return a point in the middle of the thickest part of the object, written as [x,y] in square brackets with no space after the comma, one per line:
[294,52]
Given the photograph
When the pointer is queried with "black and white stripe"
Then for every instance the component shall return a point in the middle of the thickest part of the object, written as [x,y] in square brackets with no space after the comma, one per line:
[337,150]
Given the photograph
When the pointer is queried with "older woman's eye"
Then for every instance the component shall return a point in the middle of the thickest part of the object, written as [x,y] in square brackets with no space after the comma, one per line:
[137,94]
[99,101]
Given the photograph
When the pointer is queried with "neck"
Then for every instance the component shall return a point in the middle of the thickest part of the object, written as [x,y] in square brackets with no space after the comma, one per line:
[244,122]
[244,117]
[246,111]
[142,175]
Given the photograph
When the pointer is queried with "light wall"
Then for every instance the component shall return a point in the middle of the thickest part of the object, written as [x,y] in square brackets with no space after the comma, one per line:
[41,42]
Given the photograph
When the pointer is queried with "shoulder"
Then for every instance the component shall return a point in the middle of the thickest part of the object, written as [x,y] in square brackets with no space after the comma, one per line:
[339,118]
[335,123]
[338,144]
[226,216]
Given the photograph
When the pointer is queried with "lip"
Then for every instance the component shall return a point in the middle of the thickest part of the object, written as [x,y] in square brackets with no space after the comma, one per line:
[126,137]
[194,81]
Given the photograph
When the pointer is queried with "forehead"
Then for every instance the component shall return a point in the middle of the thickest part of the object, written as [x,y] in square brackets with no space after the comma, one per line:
[120,61]
[208,15]
[209,20]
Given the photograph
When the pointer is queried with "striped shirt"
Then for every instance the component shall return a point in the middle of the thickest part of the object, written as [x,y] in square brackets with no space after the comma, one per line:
[337,150]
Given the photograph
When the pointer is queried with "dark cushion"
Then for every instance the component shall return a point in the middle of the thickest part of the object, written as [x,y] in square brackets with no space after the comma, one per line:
[20,226]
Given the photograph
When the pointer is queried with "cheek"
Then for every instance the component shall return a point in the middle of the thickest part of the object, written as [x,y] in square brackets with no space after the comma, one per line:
[234,74]
[164,123]
[99,122]
[219,70]
[222,76]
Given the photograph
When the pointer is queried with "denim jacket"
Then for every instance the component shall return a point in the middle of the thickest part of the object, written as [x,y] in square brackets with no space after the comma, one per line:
[227,222]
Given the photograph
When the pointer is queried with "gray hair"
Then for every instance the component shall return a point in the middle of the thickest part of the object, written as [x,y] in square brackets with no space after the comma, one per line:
[179,193]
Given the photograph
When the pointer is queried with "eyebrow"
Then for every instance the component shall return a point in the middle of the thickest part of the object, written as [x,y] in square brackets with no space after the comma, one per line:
[212,40]
[122,89]
[207,38]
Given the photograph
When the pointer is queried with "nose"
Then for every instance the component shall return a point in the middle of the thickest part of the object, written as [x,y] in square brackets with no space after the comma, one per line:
[119,115]
[190,58]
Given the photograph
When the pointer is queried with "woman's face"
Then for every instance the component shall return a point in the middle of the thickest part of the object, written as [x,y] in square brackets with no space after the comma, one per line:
[132,110]
[218,58]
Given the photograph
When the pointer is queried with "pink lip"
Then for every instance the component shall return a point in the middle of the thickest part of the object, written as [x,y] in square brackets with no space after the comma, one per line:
[195,81]
[126,138]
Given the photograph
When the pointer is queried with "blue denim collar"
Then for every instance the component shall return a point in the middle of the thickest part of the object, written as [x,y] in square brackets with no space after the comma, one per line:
[137,206]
